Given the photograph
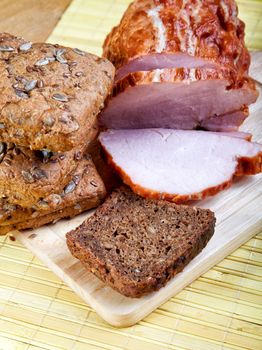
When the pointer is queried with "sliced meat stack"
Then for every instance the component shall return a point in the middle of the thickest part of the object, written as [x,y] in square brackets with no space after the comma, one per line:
[180,165]
[180,65]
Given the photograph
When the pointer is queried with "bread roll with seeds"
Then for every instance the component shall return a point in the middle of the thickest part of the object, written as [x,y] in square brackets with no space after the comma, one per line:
[26,176]
[50,94]
[84,191]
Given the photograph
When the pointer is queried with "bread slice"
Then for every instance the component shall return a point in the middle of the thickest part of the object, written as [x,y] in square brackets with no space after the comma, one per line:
[137,245]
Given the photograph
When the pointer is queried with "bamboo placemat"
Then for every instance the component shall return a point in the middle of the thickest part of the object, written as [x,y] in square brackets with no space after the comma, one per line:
[222,310]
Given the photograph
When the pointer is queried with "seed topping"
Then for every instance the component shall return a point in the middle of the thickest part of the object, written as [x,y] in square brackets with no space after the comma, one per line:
[21,94]
[38,173]
[16,151]
[43,204]
[44,61]
[46,154]
[30,85]
[59,56]
[2,147]
[28,177]
[23,87]
[5,48]
[40,84]
[79,52]
[33,174]
[76,179]
[78,155]
[79,74]
[25,46]
[70,187]
[60,98]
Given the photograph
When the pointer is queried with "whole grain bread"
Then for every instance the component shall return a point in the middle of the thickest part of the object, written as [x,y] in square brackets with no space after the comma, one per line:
[27,176]
[52,217]
[50,95]
[136,245]
[84,191]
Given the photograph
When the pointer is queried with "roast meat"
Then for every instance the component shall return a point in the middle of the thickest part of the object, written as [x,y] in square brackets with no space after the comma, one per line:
[180,165]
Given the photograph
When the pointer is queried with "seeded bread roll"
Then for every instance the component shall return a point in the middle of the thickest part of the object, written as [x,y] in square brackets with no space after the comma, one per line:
[136,245]
[28,176]
[85,190]
[50,95]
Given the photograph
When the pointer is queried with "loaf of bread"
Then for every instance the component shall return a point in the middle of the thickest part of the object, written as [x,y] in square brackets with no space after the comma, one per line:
[27,176]
[137,245]
[50,95]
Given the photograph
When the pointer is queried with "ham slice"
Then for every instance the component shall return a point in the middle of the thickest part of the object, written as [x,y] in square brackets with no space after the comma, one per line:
[180,65]
[179,99]
[161,61]
[180,165]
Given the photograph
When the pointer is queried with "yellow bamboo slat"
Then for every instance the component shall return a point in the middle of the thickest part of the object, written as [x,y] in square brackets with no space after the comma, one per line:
[222,310]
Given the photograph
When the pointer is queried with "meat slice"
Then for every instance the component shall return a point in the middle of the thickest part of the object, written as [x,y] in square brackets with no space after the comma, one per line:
[180,165]
[179,99]
[161,61]
[197,29]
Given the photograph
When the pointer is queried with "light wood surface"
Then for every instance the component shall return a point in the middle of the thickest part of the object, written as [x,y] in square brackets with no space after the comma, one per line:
[32,19]
[238,219]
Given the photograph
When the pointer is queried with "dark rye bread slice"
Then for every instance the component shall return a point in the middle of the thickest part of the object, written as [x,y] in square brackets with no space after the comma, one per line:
[50,95]
[85,191]
[137,245]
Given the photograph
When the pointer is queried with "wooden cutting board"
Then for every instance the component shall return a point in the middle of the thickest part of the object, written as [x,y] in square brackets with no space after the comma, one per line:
[238,211]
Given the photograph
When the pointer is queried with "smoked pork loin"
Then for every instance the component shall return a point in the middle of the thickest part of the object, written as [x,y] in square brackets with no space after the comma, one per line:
[180,65]
[180,165]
